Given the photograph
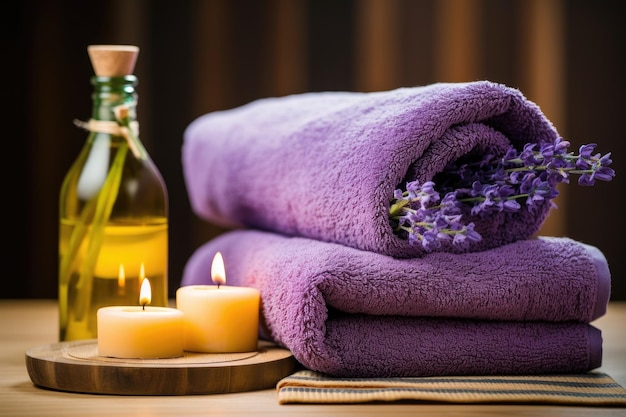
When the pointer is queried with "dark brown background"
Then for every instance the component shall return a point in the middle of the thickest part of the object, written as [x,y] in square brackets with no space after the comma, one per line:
[204,55]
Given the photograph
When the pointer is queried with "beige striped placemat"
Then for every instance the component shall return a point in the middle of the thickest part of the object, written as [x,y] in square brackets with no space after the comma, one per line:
[593,388]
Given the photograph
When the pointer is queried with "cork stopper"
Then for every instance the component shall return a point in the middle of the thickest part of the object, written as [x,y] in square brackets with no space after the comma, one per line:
[113,60]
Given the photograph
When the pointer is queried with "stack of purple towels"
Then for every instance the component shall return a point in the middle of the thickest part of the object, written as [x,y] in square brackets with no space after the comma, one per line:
[305,182]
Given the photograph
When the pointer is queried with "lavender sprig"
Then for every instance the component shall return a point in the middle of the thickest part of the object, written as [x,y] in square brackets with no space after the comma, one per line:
[490,185]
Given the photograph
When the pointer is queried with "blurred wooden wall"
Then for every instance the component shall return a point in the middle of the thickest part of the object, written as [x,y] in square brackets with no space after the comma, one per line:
[199,56]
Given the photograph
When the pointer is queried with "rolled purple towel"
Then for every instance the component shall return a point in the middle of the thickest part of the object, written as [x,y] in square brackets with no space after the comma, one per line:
[519,308]
[325,165]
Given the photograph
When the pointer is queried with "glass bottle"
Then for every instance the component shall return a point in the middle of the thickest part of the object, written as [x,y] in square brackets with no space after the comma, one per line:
[113,206]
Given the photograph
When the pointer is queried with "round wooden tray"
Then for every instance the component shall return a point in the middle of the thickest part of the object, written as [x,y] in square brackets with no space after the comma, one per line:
[77,367]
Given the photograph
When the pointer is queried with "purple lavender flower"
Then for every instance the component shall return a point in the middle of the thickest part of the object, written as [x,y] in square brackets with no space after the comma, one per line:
[489,185]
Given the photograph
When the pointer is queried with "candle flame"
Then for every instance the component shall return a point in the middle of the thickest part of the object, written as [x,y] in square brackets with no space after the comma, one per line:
[145,294]
[218,272]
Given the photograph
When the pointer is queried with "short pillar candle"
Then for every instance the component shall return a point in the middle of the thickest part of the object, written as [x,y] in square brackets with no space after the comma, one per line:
[140,332]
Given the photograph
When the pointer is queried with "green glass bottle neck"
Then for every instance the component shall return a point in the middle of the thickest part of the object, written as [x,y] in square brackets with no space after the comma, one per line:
[110,92]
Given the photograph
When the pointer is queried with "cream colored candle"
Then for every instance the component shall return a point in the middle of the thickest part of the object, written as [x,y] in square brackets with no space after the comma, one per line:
[140,331]
[219,318]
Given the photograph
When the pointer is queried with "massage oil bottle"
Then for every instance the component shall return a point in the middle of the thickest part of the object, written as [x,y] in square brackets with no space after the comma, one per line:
[113,206]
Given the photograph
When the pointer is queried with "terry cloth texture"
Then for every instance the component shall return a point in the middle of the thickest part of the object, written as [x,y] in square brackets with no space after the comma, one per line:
[325,165]
[586,389]
[521,308]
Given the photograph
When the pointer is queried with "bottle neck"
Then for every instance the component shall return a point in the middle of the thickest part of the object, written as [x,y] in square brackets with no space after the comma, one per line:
[110,92]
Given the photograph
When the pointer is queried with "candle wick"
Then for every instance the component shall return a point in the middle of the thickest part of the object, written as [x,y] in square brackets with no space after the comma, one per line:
[218,285]
[143,307]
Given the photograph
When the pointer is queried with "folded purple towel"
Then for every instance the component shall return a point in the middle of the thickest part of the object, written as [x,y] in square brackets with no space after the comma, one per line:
[325,165]
[518,308]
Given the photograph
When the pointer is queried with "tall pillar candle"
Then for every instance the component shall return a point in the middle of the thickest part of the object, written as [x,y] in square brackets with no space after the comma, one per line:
[219,318]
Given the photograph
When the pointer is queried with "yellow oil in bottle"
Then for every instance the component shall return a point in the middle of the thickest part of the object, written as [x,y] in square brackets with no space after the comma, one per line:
[128,254]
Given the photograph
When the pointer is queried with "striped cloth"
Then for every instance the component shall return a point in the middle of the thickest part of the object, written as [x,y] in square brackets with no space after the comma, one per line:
[593,388]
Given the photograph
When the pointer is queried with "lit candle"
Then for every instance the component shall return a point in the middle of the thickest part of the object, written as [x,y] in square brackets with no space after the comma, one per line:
[140,331]
[219,318]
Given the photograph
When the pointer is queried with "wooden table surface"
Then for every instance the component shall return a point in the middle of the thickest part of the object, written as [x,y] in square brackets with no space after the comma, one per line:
[28,323]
